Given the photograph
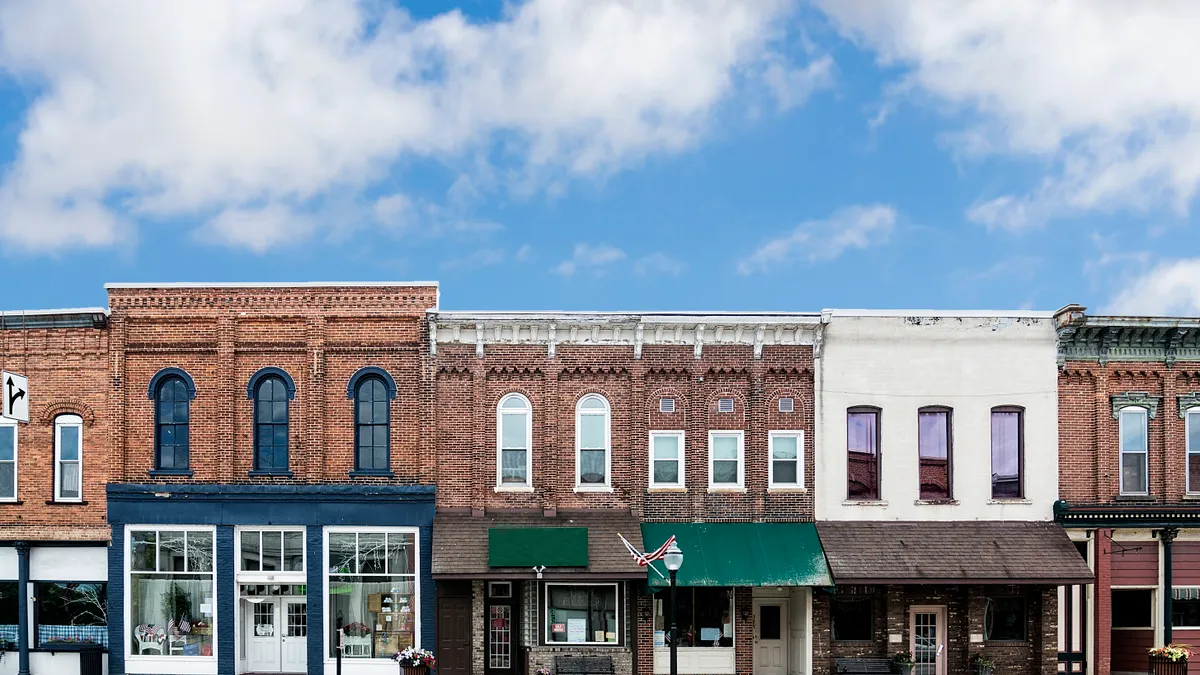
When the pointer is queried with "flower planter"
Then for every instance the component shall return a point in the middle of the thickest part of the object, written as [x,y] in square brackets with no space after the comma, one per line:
[414,670]
[1161,665]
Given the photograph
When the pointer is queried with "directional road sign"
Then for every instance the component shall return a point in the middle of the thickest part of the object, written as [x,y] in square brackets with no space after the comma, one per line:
[14,390]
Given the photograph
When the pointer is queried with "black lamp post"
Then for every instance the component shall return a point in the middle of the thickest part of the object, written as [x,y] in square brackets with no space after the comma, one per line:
[673,560]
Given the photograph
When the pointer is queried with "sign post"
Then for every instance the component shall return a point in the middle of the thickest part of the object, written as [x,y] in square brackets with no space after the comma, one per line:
[14,392]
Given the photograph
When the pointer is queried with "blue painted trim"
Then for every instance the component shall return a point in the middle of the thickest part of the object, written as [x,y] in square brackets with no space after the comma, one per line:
[222,491]
[369,371]
[154,473]
[428,592]
[267,372]
[226,601]
[116,601]
[317,638]
[368,473]
[270,472]
[152,390]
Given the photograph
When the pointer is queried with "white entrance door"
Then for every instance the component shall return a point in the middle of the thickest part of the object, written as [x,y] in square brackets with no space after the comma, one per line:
[928,629]
[262,636]
[295,635]
[770,637]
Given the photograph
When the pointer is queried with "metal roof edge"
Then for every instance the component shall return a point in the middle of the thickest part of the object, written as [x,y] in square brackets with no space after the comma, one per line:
[938,313]
[272,284]
[69,311]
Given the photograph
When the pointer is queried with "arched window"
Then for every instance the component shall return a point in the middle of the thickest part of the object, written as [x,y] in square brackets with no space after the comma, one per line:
[514,429]
[372,427]
[171,421]
[592,442]
[271,397]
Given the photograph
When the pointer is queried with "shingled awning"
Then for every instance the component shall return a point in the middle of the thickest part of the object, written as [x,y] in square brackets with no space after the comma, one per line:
[508,545]
[979,552]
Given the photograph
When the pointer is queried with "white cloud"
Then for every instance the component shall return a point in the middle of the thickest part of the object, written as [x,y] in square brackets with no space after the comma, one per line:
[524,253]
[855,227]
[161,110]
[589,258]
[257,229]
[658,263]
[1102,92]
[1171,288]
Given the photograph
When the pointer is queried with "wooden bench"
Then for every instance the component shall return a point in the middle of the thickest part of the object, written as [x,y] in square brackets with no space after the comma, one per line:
[863,665]
[583,665]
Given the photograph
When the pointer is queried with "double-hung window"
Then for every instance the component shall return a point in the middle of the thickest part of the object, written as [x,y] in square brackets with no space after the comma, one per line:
[934,448]
[592,442]
[169,592]
[1133,422]
[787,459]
[1192,423]
[862,453]
[1008,452]
[372,582]
[514,422]
[666,459]
[726,465]
[8,460]
[68,458]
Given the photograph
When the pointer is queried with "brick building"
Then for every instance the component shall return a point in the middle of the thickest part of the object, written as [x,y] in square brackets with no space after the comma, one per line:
[937,436]
[52,475]
[268,477]
[1129,396]
[557,431]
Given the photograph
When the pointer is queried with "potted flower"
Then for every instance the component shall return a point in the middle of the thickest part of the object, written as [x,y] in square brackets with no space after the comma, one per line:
[1170,659]
[981,664]
[903,661]
[543,671]
[415,661]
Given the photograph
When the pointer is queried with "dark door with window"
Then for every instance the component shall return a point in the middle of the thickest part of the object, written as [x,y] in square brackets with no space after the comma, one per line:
[453,632]
[502,622]
[1073,624]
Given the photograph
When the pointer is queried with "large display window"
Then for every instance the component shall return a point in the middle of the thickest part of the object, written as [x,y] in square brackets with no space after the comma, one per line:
[170,592]
[372,590]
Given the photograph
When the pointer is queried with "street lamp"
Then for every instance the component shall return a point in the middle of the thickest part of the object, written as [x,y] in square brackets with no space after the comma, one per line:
[673,560]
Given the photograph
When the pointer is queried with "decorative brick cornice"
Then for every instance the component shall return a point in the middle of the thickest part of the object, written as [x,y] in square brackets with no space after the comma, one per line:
[66,406]
[1135,398]
[1187,401]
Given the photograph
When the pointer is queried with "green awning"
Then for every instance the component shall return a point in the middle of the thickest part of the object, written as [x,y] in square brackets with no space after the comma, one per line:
[741,554]
[530,546]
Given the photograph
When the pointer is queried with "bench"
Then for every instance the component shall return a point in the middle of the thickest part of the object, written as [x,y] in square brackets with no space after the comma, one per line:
[863,665]
[583,665]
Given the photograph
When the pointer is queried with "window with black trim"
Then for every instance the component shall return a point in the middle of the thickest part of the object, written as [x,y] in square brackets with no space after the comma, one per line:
[172,417]
[71,615]
[372,425]
[853,619]
[935,449]
[271,424]
[1008,452]
[1185,607]
[704,615]
[862,453]
[1132,608]
[1004,618]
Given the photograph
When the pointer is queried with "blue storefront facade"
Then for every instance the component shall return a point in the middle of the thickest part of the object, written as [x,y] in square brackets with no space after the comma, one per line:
[187,554]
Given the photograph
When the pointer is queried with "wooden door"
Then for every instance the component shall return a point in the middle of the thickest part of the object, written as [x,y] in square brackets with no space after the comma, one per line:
[770,636]
[454,636]
[927,626]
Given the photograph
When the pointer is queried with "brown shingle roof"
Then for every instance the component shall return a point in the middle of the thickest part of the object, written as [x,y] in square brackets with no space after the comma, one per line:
[983,552]
[460,544]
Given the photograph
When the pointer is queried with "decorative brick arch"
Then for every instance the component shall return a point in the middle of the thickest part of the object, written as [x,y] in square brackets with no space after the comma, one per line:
[66,406]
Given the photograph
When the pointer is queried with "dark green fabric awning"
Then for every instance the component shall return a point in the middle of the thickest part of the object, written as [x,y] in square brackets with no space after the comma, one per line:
[741,554]
[529,546]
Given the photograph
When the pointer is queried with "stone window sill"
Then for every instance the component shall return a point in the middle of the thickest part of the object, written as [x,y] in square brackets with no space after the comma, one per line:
[667,490]
[1135,498]
[864,502]
[70,502]
[1013,500]
[936,502]
[370,473]
[783,490]
[270,474]
[158,473]
[585,488]
[513,488]
[727,490]
[1191,498]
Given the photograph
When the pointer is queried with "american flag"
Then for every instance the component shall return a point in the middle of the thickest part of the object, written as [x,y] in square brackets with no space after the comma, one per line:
[184,626]
[643,559]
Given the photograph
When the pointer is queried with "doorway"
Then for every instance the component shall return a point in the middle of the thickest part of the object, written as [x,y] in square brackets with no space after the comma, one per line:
[927,626]
[502,617]
[771,636]
[453,629]
[276,634]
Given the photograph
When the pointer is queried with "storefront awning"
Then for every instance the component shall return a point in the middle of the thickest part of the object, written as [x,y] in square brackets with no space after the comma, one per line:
[978,552]
[741,554]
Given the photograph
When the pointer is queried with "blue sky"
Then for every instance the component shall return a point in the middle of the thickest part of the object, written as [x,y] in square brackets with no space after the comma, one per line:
[709,154]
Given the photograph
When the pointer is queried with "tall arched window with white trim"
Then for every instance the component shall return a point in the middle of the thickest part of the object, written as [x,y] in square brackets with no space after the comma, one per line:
[1134,441]
[514,431]
[593,438]
[68,458]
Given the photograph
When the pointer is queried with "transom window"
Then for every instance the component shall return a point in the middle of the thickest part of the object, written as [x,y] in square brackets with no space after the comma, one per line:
[271,424]
[725,460]
[68,458]
[271,550]
[514,422]
[862,453]
[172,419]
[8,460]
[934,448]
[592,441]
[666,459]
[372,425]
[787,459]
[1193,450]
[1133,422]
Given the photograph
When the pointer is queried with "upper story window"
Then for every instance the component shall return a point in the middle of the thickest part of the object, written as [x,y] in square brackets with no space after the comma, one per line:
[1193,449]
[592,441]
[787,459]
[272,390]
[726,465]
[1134,440]
[372,425]
[666,459]
[68,458]
[514,429]
[934,449]
[862,453]
[1008,452]
[8,460]
[172,415]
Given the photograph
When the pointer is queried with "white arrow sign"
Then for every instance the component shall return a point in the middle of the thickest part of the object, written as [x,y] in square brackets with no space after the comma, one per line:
[14,390]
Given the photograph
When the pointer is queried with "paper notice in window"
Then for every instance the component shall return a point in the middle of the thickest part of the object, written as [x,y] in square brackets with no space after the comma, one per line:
[205,609]
[710,634]
[610,637]
[576,630]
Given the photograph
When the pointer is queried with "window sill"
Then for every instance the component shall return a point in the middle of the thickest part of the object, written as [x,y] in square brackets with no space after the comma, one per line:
[522,489]
[368,473]
[170,472]
[1009,500]
[726,490]
[71,649]
[936,502]
[785,489]
[666,489]
[1135,498]
[267,474]
[864,502]
[598,488]
[66,502]
[17,502]
[1193,497]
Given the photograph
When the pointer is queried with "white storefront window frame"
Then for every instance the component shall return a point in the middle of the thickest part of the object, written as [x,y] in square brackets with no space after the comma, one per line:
[546,624]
